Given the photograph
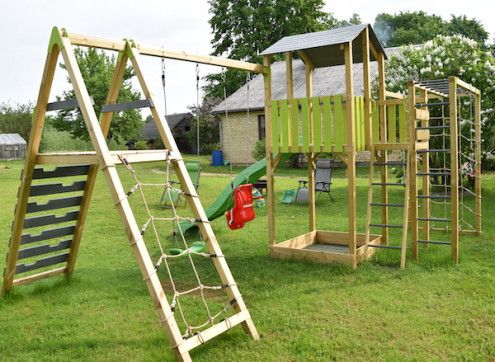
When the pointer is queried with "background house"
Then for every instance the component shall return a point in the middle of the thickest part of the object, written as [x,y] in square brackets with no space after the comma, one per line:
[12,146]
[240,129]
[179,123]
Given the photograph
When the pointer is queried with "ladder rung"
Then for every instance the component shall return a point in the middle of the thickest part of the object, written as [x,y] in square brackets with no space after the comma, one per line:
[41,263]
[433,219]
[384,246]
[433,197]
[433,173]
[389,164]
[386,226]
[431,150]
[434,242]
[432,104]
[387,205]
[117,107]
[388,184]
[433,127]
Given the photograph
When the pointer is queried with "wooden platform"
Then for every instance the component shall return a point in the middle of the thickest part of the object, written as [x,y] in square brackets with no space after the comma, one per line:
[324,247]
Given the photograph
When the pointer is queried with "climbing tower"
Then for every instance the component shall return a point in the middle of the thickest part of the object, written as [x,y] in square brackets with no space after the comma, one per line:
[54,249]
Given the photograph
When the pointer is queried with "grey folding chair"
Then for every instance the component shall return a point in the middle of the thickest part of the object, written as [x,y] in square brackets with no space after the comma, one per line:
[323,177]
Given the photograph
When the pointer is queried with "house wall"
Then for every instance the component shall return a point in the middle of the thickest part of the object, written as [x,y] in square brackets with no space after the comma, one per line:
[239,135]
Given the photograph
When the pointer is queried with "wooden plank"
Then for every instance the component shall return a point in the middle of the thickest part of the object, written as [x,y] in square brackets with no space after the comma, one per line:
[47,234]
[90,158]
[31,152]
[35,277]
[295,141]
[367,90]
[317,124]
[375,123]
[394,95]
[305,124]
[54,204]
[119,107]
[49,219]
[454,165]
[328,131]
[477,164]
[383,139]
[284,126]
[422,115]
[402,124]
[96,42]
[42,263]
[422,134]
[391,124]
[413,164]
[61,171]
[275,122]
[51,189]
[43,249]
[391,146]
[390,102]
[339,124]
[289,82]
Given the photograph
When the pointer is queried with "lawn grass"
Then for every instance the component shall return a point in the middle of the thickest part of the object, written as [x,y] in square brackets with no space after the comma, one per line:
[433,310]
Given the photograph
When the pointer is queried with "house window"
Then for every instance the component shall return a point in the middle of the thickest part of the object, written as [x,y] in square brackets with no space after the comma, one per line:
[261,127]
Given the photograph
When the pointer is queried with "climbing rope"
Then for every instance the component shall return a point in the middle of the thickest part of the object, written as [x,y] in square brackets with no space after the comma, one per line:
[188,251]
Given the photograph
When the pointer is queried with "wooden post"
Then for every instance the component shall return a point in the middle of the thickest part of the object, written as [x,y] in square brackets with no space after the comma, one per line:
[29,163]
[270,170]
[367,90]
[383,139]
[105,120]
[477,167]
[351,150]
[413,166]
[425,158]
[290,94]
[454,167]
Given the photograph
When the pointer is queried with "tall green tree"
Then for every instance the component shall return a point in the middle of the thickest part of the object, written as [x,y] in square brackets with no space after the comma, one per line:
[16,119]
[243,28]
[418,27]
[97,70]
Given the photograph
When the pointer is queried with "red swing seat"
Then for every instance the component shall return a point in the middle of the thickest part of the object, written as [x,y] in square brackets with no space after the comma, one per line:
[243,210]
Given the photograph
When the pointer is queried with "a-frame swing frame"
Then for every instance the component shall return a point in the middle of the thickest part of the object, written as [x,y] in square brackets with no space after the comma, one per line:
[62,43]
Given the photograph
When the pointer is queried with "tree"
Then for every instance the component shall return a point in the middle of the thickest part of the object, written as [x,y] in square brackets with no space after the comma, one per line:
[16,119]
[97,70]
[243,28]
[446,56]
[209,129]
[418,27]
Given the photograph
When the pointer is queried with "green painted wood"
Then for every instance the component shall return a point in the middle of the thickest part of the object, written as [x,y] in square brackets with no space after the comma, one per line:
[294,126]
[275,127]
[392,124]
[284,126]
[327,124]
[402,124]
[339,124]
[375,124]
[316,110]
[305,123]
[358,121]
[363,124]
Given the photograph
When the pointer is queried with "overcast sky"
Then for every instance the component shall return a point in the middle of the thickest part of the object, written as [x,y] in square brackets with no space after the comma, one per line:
[177,25]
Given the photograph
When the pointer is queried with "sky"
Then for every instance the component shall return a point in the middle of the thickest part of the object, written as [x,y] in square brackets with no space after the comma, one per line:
[176,25]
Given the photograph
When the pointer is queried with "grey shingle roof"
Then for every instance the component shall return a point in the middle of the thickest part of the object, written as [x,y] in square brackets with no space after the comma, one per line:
[326,81]
[11,139]
[322,47]
[150,132]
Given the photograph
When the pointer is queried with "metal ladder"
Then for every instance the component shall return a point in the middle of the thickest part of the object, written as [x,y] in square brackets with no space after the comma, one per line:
[384,185]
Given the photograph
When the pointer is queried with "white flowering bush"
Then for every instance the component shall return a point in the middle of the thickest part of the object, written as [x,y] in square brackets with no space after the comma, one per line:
[446,56]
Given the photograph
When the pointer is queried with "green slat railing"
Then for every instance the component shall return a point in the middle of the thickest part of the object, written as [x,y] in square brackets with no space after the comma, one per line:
[305,123]
[284,126]
[275,126]
[391,124]
[294,126]
[402,124]
[340,124]
[375,123]
[316,111]
[328,132]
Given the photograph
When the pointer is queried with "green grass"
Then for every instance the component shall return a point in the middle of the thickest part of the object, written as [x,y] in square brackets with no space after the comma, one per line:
[433,310]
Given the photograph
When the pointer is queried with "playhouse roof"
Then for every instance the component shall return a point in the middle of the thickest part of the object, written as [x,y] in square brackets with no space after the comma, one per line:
[323,47]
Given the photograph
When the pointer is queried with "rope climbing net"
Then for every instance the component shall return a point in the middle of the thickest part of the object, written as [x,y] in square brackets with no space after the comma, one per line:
[183,250]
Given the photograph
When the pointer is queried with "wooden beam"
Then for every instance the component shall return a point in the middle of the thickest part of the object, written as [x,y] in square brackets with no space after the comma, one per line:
[413,165]
[39,276]
[31,152]
[289,81]
[454,166]
[118,45]
[467,86]
[394,95]
[90,157]
[367,89]
[351,150]
[383,139]
[477,165]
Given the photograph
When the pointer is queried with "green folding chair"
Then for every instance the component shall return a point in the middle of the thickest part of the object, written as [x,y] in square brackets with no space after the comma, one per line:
[173,197]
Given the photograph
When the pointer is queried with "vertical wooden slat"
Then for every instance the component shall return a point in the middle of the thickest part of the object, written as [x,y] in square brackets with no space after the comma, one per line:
[402,124]
[413,166]
[367,90]
[328,135]
[425,163]
[391,124]
[289,79]
[294,126]
[305,124]
[383,139]
[477,165]
[284,126]
[375,123]
[316,111]
[339,123]
[275,122]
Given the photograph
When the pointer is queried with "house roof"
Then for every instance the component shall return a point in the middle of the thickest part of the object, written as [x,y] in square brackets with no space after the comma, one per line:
[327,81]
[150,132]
[323,47]
[11,139]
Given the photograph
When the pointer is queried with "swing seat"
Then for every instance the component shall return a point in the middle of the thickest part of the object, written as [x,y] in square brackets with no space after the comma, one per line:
[196,247]
[243,210]
[289,196]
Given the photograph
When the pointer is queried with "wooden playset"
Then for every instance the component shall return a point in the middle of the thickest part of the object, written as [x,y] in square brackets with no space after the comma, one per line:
[440,117]
[393,123]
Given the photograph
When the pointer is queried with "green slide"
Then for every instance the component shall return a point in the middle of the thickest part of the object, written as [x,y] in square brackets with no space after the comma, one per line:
[225,200]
